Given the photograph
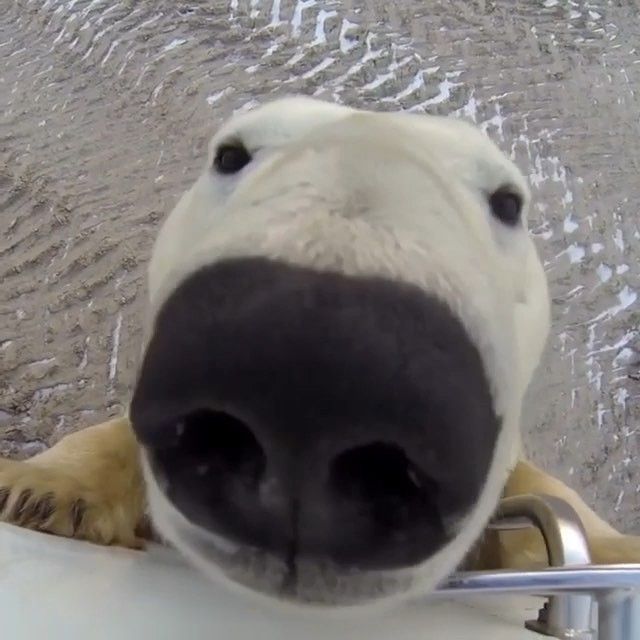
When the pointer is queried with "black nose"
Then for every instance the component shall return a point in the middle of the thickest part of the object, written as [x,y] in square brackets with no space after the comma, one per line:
[313,414]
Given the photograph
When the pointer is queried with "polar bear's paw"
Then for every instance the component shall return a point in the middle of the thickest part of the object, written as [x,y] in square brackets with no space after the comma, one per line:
[47,499]
[89,485]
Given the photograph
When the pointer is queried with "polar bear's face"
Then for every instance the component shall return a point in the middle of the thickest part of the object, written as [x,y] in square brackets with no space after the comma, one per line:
[346,310]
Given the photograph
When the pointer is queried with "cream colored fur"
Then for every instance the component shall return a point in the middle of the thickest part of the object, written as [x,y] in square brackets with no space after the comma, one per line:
[397,195]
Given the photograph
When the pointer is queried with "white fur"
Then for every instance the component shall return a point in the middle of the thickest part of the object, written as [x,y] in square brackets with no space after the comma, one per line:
[398,195]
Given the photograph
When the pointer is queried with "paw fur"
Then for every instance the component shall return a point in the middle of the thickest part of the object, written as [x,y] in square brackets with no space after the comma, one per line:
[49,500]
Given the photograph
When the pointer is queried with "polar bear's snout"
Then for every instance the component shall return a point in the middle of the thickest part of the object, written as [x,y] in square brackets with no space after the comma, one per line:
[320,415]
[345,311]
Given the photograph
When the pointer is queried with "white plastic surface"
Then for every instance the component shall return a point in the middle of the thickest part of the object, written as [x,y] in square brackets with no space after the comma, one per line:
[54,589]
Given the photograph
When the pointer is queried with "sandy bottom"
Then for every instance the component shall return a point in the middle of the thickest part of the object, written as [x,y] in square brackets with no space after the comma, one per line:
[105,111]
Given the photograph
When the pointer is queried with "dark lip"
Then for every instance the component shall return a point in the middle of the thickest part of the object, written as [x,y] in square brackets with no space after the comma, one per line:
[288,589]
[210,544]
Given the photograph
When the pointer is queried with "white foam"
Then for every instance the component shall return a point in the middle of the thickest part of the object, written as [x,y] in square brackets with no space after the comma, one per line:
[575,253]
[626,357]
[618,239]
[296,20]
[626,298]
[216,97]
[176,42]
[347,43]
[115,346]
[569,225]
[320,35]
[604,272]
[620,397]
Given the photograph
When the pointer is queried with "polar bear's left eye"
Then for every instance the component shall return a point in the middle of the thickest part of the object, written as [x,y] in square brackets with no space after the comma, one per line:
[506,206]
[231,157]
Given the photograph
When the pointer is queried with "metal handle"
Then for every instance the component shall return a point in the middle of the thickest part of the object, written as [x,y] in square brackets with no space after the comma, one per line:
[557,521]
[596,580]
[564,616]
[615,587]
[571,582]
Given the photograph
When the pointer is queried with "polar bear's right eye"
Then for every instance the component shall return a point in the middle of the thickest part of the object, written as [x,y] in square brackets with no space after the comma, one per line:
[506,206]
[231,157]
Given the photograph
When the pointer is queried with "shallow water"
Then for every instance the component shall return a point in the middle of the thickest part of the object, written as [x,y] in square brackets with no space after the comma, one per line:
[105,111]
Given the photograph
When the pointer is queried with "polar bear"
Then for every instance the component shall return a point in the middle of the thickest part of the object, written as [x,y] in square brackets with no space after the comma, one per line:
[345,311]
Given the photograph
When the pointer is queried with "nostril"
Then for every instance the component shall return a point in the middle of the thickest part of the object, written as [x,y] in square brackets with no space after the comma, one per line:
[212,467]
[377,470]
[381,476]
[215,443]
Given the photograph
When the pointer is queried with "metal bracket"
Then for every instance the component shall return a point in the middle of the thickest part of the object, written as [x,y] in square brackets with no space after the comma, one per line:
[616,589]
[572,584]
[567,616]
